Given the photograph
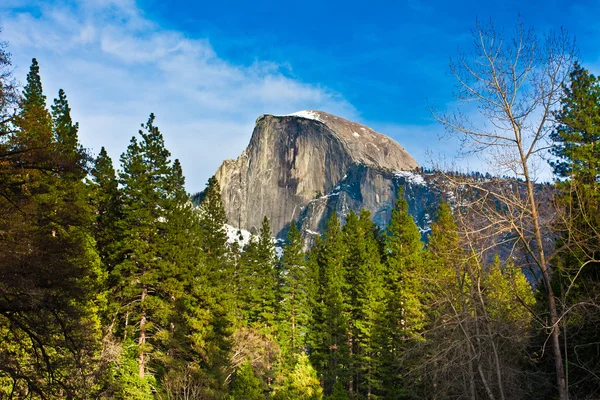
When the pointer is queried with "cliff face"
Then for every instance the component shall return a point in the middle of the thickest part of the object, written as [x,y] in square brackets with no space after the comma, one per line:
[298,166]
[374,189]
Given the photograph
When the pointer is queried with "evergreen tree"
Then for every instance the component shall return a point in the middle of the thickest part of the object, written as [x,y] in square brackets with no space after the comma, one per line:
[49,270]
[259,276]
[212,221]
[404,295]
[477,321]
[143,280]
[65,135]
[578,130]
[445,258]
[576,275]
[328,339]
[301,383]
[105,199]
[365,300]
[246,385]
[211,310]
[293,310]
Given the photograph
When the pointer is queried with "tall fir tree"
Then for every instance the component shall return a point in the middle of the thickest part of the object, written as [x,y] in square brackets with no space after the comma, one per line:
[366,302]
[404,301]
[142,281]
[293,295]
[105,199]
[328,332]
[212,309]
[66,137]
[576,136]
[258,291]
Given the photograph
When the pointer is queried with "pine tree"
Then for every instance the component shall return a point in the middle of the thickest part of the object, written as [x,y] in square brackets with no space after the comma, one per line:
[105,199]
[49,268]
[445,294]
[213,220]
[404,295]
[210,312]
[66,137]
[328,339]
[293,310]
[142,281]
[372,316]
[193,349]
[576,274]
[577,133]
[259,281]
[365,300]
[246,385]
[301,383]
[477,321]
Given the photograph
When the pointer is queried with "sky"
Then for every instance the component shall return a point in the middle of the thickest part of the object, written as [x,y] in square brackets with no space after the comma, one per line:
[209,69]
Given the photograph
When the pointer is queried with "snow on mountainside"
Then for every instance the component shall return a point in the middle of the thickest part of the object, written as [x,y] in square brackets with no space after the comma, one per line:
[241,236]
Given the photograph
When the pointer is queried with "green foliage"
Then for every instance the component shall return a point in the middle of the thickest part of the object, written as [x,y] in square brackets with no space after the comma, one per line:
[365,313]
[129,385]
[339,392]
[293,295]
[576,276]
[258,281]
[404,313]
[328,340]
[577,133]
[154,282]
[301,383]
[67,143]
[365,295]
[246,385]
[212,221]
[50,276]
[105,199]
[210,308]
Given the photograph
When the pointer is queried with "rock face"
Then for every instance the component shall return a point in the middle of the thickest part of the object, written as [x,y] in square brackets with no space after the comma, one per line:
[301,166]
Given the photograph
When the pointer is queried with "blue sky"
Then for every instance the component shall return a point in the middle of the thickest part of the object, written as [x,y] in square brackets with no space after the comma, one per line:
[208,69]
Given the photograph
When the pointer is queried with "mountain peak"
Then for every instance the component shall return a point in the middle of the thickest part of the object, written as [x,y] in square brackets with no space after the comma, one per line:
[364,144]
[291,159]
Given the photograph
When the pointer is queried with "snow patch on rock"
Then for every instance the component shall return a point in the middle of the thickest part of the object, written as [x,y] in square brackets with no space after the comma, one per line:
[307,114]
[411,177]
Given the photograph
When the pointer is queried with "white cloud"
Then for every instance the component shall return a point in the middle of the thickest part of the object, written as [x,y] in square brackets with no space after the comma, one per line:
[117,66]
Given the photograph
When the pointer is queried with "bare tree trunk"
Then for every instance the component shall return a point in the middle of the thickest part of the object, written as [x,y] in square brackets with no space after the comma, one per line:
[555,328]
[471,372]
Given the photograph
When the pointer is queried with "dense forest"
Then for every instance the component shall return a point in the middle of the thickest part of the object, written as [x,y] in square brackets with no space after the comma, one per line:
[115,285]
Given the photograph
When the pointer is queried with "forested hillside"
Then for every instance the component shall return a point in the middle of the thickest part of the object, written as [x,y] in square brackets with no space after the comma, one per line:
[115,285]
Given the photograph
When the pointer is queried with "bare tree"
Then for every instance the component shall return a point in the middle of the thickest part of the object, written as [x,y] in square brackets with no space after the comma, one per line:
[185,383]
[507,90]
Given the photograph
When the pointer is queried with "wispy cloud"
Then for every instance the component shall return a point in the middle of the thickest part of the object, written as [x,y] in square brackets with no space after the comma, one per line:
[117,66]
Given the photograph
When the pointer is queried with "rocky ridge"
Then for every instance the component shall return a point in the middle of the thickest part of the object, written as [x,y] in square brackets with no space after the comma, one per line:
[301,166]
